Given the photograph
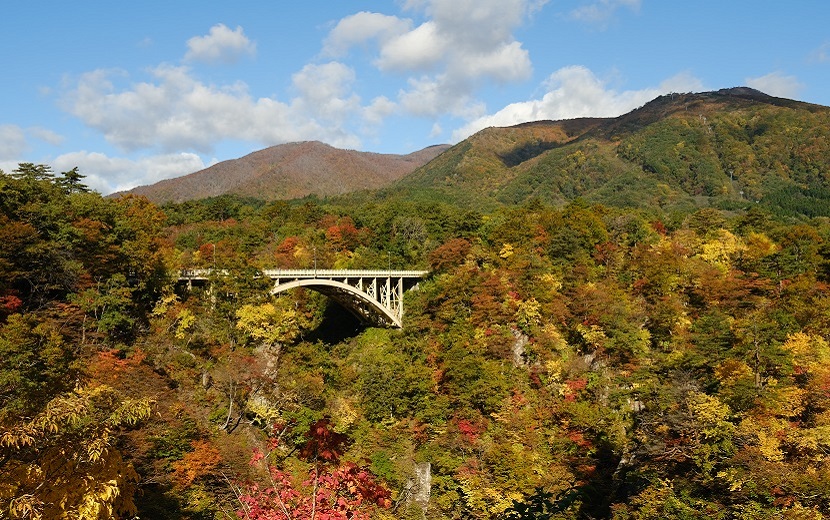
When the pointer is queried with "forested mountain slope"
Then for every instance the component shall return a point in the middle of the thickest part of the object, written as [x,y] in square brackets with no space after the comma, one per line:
[724,149]
[291,171]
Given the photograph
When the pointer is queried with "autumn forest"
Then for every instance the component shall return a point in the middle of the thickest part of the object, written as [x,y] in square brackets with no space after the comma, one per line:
[623,319]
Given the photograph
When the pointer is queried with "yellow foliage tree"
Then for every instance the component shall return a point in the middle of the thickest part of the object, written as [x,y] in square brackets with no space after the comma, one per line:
[269,323]
[810,352]
[721,249]
[711,435]
[64,463]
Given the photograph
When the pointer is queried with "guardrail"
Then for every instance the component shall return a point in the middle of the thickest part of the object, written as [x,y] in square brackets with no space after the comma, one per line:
[204,274]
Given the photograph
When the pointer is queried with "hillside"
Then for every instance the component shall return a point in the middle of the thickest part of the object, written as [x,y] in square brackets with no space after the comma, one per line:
[725,149]
[663,355]
[577,361]
[291,171]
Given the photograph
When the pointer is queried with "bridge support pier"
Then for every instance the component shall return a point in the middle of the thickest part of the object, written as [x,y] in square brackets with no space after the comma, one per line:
[375,297]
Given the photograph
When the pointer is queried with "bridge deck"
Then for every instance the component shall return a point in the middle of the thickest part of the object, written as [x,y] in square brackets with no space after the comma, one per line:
[204,274]
[341,273]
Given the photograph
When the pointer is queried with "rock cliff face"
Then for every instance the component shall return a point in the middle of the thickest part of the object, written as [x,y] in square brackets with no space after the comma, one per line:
[422,486]
[290,171]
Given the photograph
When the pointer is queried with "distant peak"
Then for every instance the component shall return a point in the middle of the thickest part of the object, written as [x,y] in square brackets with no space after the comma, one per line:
[743,92]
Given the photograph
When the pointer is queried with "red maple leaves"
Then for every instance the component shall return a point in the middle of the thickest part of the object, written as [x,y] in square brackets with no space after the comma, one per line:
[331,490]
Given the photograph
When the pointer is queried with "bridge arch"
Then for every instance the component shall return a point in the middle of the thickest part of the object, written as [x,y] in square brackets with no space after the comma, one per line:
[362,305]
[373,296]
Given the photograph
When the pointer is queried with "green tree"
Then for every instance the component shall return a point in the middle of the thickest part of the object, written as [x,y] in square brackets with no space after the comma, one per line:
[71,181]
[35,365]
[33,172]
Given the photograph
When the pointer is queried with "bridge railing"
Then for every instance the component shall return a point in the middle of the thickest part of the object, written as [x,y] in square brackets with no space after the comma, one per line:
[341,273]
[194,274]
[203,274]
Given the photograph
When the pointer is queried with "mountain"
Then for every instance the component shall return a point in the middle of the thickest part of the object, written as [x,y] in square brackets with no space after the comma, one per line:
[727,149]
[290,171]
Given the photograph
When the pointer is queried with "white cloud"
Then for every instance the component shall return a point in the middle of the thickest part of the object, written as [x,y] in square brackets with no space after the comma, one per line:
[220,45]
[478,31]
[428,97]
[379,109]
[8,166]
[776,84]
[326,102]
[576,92]
[174,111]
[12,143]
[322,85]
[419,49]
[599,13]
[505,63]
[462,45]
[46,135]
[683,82]
[359,28]
[111,174]
[478,24]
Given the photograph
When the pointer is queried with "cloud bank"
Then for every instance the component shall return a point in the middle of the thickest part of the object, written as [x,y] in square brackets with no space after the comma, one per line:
[776,84]
[175,111]
[441,62]
[462,45]
[112,174]
[438,55]
[573,92]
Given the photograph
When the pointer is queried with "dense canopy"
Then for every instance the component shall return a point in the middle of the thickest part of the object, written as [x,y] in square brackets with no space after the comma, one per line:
[564,358]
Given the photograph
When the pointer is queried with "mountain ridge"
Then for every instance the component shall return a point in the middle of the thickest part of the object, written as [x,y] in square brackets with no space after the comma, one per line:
[725,148]
[289,171]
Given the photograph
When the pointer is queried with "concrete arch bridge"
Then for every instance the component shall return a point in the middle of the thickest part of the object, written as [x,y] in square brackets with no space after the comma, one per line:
[374,297]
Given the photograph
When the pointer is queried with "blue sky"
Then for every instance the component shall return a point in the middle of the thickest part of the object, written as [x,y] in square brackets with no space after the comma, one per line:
[136,92]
